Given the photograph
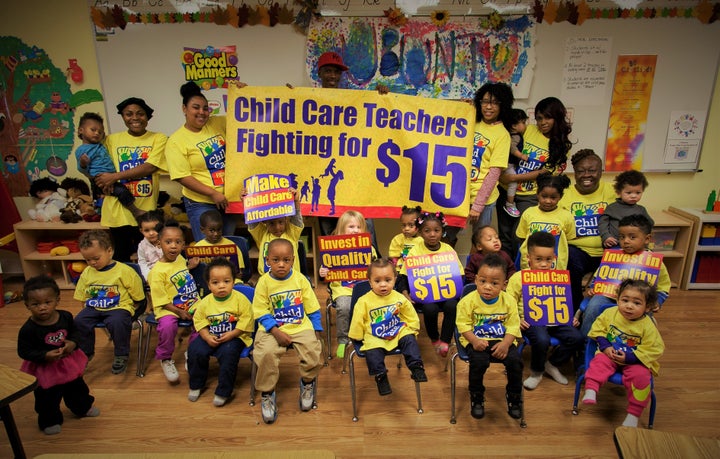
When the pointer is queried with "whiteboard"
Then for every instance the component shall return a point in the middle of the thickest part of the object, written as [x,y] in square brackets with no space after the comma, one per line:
[144,61]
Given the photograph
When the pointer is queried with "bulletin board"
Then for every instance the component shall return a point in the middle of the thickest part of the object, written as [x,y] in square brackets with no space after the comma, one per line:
[144,61]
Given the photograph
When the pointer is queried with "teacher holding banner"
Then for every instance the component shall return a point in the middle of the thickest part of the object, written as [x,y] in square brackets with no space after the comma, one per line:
[196,158]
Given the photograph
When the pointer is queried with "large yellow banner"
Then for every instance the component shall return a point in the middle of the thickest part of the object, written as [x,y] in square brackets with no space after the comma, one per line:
[348,149]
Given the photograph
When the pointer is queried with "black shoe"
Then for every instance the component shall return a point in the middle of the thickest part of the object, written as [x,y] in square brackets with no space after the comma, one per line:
[477,406]
[418,374]
[383,384]
[514,405]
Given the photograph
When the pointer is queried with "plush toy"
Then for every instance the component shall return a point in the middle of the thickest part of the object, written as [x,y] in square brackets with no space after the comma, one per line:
[52,200]
[80,204]
[172,207]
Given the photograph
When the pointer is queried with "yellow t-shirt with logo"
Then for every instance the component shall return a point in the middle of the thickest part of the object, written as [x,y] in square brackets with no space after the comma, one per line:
[172,283]
[116,287]
[491,148]
[536,146]
[288,301]
[200,155]
[557,222]
[586,210]
[222,316]
[127,152]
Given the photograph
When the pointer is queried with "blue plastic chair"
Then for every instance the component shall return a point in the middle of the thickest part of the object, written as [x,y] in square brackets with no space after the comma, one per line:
[360,289]
[461,353]
[136,318]
[244,246]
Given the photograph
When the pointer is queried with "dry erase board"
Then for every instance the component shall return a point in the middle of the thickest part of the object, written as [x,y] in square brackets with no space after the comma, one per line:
[144,61]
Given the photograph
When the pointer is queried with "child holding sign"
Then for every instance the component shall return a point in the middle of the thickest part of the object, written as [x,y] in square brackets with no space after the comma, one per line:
[541,256]
[174,292]
[211,225]
[383,320]
[629,341]
[408,238]
[224,322]
[546,216]
[289,228]
[434,279]
[488,324]
[288,313]
[634,262]
[350,222]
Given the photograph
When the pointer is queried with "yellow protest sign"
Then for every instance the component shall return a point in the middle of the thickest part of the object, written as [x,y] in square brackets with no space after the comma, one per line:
[347,149]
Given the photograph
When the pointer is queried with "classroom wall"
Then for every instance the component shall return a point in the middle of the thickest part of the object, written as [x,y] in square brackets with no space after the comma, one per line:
[64,30]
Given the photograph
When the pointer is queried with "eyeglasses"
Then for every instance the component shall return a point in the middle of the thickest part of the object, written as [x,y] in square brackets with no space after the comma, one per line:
[493,102]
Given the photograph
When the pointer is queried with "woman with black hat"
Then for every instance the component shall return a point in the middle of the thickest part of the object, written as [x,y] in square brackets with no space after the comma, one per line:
[138,155]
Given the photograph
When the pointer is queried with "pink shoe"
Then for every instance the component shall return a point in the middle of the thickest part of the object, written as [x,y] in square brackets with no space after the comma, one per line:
[511,209]
[441,348]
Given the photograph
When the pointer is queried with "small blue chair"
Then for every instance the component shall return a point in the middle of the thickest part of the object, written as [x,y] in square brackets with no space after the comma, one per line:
[461,353]
[360,289]
[244,246]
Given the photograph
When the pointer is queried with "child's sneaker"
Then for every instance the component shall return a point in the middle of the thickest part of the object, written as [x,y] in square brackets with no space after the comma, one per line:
[511,210]
[514,405]
[441,347]
[590,397]
[418,374]
[168,367]
[554,373]
[93,412]
[532,381]
[194,395]
[340,351]
[219,400]
[52,430]
[119,364]
[307,395]
[186,369]
[383,384]
[269,408]
[477,406]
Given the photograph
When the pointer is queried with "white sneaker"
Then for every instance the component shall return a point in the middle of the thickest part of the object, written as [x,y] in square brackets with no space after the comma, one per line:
[532,381]
[168,367]
[186,361]
[219,401]
[554,373]
[269,408]
[193,395]
[307,395]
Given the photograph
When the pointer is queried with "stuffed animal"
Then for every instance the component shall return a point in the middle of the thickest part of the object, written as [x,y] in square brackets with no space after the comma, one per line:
[52,200]
[80,204]
[172,207]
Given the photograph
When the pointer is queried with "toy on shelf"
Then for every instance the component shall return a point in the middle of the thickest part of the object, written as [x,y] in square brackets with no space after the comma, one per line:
[52,200]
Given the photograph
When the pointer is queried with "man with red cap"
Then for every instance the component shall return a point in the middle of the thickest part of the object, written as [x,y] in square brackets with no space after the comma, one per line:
[330,69]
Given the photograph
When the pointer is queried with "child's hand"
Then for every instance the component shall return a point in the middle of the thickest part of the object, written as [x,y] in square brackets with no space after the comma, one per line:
[84,161]
[55,354]
[211,340]
[382,89]
[524,157]
[193,262]
[655,309]
[282,338]
[480,345]
[68,347]
[610,242]
[473,216]
[610,352]
[323,271]
[184,315]
[618,356]
[524,325]
[500,350]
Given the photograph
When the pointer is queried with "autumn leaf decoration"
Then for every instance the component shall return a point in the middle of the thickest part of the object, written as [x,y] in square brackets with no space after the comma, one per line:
[396,16]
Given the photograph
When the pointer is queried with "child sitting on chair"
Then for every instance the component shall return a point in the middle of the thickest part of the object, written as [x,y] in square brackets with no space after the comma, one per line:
[211,225]
[488,323]
[383,320]
[288,314]
[110,292]
[628,341]
[541,255]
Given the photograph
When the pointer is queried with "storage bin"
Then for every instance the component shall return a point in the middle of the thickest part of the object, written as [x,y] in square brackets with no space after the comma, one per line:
[663,239]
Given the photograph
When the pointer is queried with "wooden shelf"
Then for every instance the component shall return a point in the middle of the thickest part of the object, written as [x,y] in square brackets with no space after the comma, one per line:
[29,233]
[674,259]
[698,218]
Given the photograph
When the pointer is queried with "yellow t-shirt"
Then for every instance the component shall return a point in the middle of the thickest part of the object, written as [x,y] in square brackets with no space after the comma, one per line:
[491,148]
[487,321]
[536,146]
[586,210]
[200,155]
[118,287]
[400,246]
[127,152]
[171,283]
[557,222]
[381,321]
[263,238]
[237,256]
[288,301]
[222,316]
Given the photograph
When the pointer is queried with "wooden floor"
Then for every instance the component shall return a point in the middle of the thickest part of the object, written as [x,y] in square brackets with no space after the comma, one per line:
[150,415]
